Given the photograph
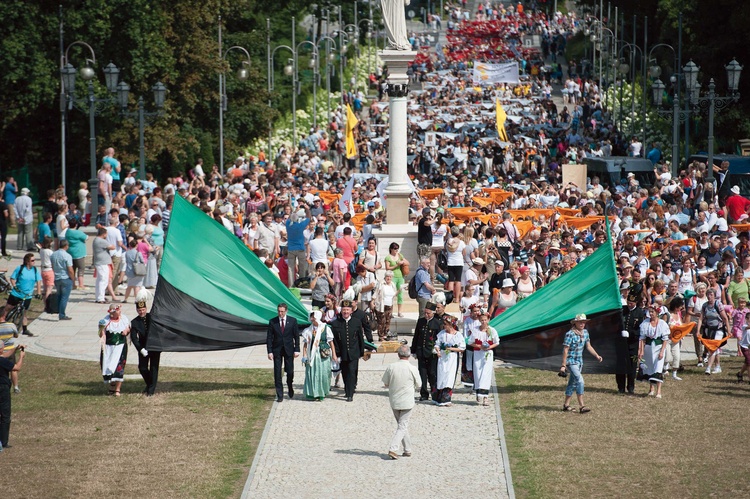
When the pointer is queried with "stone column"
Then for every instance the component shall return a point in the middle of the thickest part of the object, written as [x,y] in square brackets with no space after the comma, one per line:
[399,187]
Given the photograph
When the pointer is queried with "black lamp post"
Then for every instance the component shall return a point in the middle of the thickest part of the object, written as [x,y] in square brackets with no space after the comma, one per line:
[123,95]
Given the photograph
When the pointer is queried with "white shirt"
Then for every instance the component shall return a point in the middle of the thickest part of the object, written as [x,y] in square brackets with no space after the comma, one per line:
[114,237]
[319,250]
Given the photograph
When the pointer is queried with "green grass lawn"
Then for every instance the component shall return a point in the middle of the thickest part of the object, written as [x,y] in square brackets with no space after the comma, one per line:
[688,444]
[196,438]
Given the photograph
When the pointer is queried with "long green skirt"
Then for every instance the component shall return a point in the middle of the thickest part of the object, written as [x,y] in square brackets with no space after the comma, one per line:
[317,377]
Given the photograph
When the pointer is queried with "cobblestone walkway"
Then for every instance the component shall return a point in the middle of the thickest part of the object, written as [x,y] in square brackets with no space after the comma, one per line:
[339,449]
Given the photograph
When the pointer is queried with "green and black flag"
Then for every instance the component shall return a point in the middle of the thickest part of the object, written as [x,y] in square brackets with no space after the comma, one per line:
[213,292]
[532,331]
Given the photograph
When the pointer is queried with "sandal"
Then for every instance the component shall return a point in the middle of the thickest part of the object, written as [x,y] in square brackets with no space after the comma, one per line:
[567,408]
[117,393]
[584,410]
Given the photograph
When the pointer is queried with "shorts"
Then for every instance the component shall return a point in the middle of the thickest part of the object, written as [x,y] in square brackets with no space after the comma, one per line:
[48,278]
[79,264]
[746,353]
[454,273]
[14,300]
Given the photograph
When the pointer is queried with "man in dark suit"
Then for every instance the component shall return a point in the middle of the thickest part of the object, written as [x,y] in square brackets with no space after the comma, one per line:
[348,334]
[626,346]
[423,348]
[282,343]
[148,362]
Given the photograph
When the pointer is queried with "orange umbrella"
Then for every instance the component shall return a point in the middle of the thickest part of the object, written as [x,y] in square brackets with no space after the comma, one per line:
[679,331]
[431,193]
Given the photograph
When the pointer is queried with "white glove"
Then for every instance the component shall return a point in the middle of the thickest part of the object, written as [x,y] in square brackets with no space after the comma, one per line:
[625,334]
[144,352]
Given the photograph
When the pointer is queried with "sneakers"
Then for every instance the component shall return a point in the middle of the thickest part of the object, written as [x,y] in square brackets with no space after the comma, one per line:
[717,370]
[700,364]
[708,371]
[16,389]
[675,377]
[392,455]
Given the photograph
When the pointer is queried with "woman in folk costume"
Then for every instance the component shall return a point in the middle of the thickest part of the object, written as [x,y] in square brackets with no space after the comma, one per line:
[113,331]
[482,340]
[652,349]
[317,352]
[447,347]
[470,323]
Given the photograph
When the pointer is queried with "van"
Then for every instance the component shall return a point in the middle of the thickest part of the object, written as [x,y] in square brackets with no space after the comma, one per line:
[738,173]
[612,169]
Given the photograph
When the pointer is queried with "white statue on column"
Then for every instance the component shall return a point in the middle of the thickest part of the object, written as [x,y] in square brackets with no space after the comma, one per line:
[394,19]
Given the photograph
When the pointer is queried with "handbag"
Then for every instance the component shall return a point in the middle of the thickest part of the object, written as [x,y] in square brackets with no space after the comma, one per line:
[139,268]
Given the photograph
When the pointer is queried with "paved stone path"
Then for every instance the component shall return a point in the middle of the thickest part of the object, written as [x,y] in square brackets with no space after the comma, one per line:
[335,448]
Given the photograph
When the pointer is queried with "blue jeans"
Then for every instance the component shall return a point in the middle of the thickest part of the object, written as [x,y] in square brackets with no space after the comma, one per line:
[63,287]
[575,380]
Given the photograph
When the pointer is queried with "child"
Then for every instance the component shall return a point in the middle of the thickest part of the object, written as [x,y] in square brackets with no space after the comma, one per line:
[744,344]
[738,320]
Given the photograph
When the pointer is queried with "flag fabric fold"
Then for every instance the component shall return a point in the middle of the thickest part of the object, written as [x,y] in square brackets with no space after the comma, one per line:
[500,119]
[351,124]
[213,293]
[532,331]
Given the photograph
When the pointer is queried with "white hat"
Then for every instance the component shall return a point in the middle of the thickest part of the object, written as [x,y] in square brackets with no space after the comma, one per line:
[477,261]
[25,191]
[579,247]
[631,174]
[434,204]
[735,189]
[580,317]
[507,283]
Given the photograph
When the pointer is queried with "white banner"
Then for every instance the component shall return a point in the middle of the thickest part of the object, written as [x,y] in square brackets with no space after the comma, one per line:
[486,73]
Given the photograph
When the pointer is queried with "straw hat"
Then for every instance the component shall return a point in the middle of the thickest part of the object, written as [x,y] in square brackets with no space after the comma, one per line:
[580,318]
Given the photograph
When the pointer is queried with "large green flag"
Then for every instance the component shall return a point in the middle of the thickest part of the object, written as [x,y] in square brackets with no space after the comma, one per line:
[213,292]
[531,332]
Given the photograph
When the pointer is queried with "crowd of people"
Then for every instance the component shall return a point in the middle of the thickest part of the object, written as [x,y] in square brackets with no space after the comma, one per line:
[495,224]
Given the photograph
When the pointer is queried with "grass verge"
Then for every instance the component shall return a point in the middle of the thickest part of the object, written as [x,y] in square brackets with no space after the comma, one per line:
[684,445]
[195,438]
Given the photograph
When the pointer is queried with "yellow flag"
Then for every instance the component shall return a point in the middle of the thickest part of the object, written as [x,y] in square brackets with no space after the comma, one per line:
[351,123]
[500,119]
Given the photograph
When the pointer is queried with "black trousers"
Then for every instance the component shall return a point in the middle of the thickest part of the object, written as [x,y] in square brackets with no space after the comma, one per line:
[288,360]
[149,369]
[349,371]
[428,372]
[3,236]
[4,414]
[627,365]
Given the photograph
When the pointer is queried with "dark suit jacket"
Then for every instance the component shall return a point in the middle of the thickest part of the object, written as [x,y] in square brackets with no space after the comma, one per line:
[360,314]
[350,341]
[288,338]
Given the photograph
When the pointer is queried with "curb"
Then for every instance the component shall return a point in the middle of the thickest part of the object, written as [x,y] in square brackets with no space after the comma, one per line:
[258,451]
[503,444]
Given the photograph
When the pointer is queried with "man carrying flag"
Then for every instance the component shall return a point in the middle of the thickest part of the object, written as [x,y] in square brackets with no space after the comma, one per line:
[500,120]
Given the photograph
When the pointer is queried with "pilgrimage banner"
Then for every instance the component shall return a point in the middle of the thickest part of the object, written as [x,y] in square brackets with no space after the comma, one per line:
[486,73]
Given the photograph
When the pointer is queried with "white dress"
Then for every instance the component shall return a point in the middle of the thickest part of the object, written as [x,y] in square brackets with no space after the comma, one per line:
[483,368]
[448,361]
[654,336]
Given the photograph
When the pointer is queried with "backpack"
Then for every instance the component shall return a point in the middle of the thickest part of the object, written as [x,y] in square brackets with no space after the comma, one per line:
[353,264]
[413,291]
[442,260]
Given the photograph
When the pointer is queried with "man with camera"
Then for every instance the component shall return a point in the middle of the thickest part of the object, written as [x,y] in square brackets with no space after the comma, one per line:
[8,364]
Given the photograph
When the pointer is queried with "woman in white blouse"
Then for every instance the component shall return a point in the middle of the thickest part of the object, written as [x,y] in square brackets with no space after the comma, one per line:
[383,304]
[652,349]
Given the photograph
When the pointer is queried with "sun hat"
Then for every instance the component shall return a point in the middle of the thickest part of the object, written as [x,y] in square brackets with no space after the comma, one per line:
[580,318]
[434,204]
[507,283]
[477,261]
[735,189]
